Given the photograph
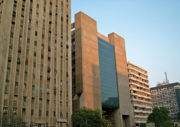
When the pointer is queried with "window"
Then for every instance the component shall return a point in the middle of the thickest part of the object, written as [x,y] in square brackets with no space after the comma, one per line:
[40,89]
[47,102]
[47,113]
[7,80]
[36,33]
[42,56]
[24,99]
[27,51]
[33,87]
[34,64]
[43,35]
[41,79]
[40,112]
[12,34]
[26,62]
[49,49]
[35,43]
[32,112]
[18,61]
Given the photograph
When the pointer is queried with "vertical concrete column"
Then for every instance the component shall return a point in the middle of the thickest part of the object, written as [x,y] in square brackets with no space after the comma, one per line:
[4,44]
[125,111]
[87,62]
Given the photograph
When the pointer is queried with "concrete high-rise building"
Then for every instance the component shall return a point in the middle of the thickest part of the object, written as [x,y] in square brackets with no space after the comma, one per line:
[35,62]
[167,96]
[140,93]
[100,76]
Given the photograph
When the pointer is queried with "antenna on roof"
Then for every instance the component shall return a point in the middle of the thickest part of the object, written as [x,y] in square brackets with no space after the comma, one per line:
[166,80]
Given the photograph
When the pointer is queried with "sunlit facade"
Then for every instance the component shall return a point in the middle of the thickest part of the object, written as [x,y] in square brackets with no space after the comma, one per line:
[35,63]
[140,93]
[99,69]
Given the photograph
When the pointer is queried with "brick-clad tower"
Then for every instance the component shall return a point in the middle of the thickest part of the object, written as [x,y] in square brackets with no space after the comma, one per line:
[35,62]
[100,74]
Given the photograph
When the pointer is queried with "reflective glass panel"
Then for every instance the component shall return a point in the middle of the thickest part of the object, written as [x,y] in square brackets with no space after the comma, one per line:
[108,78]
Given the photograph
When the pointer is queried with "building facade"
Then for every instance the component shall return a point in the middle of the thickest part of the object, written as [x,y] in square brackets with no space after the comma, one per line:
[35,62]
[167,96]
[140,93]
[99,69]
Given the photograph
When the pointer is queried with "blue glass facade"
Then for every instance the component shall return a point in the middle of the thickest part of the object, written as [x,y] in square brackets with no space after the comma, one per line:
[108,78]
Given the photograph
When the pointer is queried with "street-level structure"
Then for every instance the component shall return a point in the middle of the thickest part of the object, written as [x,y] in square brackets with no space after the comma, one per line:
[140,93]
[35,62]
[99,69]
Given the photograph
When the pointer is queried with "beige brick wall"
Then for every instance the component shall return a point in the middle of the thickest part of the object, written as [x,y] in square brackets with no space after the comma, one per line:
[87,61]
[39,71]
[88,88]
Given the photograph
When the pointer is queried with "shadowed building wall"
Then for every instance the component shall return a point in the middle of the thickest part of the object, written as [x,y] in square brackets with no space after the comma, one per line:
[100,72]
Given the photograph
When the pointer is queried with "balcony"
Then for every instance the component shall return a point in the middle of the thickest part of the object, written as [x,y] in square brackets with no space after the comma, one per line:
[140,81]
[138,100]
[142,111]
[143,106]
[132,68]
[140,117]
[141,86]
[141,91]
[139,76]
[142,96]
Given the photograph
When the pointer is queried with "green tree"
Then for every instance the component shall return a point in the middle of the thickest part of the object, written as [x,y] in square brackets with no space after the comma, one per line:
[160,116]
[142,125]
[178,116]
[89,118]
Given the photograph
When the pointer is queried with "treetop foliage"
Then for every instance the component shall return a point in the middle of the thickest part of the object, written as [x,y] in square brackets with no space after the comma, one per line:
[89,118]
[160,116]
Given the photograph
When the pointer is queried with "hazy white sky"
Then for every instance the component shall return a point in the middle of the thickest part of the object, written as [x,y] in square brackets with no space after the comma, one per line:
[151,29]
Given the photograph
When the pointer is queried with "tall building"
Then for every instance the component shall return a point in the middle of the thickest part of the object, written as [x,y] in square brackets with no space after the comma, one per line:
[167,96]
[35,62]
[140,93]
[99,69]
